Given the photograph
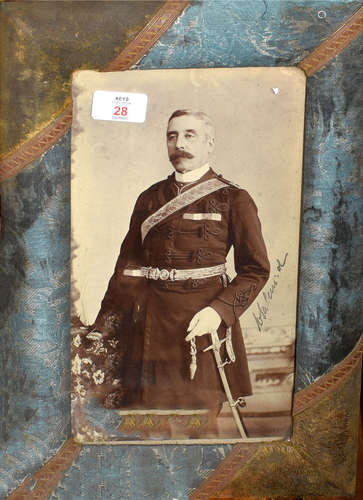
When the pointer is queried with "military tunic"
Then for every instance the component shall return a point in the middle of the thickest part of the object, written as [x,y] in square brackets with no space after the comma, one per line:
[150,317]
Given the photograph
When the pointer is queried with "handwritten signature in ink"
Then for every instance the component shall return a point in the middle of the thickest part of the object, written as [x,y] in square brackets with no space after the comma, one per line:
[263,307]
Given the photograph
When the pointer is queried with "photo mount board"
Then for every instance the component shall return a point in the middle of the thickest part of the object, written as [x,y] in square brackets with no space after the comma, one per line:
[258,115]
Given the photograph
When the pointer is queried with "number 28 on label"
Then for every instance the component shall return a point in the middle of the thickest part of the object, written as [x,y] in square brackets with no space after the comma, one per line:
[120,111]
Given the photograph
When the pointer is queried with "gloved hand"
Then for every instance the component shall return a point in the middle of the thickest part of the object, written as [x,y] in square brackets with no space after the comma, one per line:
[207,320]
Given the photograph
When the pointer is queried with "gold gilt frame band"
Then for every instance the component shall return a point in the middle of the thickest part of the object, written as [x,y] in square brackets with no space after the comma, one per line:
[333,45]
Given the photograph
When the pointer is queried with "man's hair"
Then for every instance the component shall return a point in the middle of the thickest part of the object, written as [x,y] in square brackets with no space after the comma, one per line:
[200,115]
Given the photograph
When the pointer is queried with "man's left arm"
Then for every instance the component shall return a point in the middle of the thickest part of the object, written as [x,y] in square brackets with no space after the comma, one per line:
[251,264]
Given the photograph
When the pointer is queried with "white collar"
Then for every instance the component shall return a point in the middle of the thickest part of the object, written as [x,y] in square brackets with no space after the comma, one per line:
[192,175]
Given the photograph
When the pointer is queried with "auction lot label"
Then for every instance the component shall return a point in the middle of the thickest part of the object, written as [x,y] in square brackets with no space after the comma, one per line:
[119,106]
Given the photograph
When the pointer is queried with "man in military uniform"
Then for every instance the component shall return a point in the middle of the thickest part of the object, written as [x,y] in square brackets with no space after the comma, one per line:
[170,287]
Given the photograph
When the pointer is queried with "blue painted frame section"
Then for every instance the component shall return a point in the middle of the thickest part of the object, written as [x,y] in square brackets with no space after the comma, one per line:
[34,298]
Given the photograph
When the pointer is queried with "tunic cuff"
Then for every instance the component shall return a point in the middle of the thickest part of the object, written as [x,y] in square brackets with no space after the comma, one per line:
[225,312]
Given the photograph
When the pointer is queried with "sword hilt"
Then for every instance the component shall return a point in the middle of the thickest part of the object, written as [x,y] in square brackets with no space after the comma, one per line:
[239,402]
[216,342]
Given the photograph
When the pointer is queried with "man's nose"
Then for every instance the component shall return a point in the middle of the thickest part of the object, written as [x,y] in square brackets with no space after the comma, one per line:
[180,142]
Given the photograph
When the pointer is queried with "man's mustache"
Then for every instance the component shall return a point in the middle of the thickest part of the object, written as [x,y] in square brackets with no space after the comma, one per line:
[180,154]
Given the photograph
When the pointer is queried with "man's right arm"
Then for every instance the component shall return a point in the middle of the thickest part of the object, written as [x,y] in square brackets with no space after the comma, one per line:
[130,256]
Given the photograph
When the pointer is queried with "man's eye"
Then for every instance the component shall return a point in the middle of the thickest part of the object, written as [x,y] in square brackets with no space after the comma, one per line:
[189,136]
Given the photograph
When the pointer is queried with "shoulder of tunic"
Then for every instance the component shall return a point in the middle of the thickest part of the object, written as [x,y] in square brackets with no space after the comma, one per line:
[235,188]
[152,190]
[240,195]
[227,182]
[154,187]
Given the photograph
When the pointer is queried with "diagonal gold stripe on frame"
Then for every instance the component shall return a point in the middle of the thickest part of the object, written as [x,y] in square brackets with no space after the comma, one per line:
[323,386]
[30,150]
[47,478]
[333,45]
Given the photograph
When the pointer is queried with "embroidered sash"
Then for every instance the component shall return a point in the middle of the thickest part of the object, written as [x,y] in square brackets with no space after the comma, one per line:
[182,200]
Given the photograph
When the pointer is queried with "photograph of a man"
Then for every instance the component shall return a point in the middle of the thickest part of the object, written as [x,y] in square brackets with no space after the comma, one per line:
[170,298]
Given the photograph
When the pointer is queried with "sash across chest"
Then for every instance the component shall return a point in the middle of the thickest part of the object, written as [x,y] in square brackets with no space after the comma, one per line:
[179,202]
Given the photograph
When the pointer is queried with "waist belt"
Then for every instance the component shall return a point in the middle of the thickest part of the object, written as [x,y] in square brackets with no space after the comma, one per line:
[154,273]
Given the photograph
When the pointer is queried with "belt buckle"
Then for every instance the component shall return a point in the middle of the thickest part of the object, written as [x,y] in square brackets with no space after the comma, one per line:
[163,274]
[172,275]
[153,273]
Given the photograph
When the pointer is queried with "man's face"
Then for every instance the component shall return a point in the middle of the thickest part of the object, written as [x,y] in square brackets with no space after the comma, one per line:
[189,147]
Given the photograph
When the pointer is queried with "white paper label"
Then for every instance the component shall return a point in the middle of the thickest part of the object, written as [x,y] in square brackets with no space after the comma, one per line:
[119,106]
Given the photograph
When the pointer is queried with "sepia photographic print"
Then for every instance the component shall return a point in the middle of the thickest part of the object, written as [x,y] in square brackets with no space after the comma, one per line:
[186,188]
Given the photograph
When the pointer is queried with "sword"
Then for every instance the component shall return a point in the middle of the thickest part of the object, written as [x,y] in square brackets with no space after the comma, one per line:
[215,346]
